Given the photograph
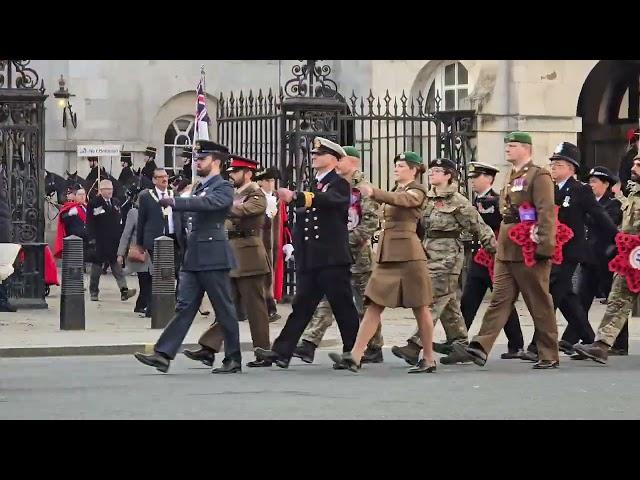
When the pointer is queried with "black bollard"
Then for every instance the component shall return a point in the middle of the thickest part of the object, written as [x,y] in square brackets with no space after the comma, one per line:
[72,296]
[163,287]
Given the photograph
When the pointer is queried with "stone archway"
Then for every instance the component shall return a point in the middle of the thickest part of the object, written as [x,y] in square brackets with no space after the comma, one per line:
[608,104]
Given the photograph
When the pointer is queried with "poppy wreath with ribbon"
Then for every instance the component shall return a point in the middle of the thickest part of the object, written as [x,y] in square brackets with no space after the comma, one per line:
[521,235]
[627,262]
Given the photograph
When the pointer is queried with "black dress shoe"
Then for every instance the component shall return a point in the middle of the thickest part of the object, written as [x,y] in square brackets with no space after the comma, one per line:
[156,360]
[271,356]
[264,354]
[372,355]
[566,347]
[5,307]
[423,367]
[274,317]
[618,352]
[259,363]
[305,351]
[512,355]
[231,366]
[529,356]
[546,364]
[203,355]
[139,310]
[346,360]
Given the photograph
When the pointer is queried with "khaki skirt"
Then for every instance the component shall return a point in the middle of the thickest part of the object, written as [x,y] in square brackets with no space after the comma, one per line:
[400,284]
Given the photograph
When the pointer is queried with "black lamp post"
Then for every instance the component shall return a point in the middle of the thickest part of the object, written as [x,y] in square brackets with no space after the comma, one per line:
[63,96]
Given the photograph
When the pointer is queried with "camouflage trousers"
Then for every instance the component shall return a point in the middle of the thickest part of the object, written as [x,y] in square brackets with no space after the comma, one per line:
[323,316]
[619,305]
[446,307]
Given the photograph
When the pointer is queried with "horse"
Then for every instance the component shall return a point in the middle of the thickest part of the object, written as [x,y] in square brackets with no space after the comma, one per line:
[54,183]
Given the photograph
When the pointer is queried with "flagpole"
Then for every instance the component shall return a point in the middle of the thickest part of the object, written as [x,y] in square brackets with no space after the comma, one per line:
[196,126]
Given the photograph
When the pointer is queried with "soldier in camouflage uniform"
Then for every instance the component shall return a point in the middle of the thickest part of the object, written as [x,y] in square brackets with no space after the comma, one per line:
[447,214]
[621,299]
[363,222]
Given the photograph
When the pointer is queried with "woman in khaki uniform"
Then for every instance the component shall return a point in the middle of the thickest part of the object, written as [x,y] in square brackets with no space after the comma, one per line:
[400,277]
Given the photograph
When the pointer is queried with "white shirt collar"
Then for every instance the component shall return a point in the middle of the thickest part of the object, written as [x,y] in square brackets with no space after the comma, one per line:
[160,192]
[484,194]
[561,184]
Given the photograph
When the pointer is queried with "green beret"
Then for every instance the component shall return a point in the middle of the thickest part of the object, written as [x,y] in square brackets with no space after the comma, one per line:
[351,151]
[520,137]
[409,157]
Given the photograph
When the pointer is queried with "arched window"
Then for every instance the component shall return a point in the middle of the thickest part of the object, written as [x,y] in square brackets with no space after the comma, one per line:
[178,135]
[451,82]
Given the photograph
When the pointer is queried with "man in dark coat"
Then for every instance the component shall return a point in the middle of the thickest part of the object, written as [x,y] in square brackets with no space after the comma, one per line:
[104,225]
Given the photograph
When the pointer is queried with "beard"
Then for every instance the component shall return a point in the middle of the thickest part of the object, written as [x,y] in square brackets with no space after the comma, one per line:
[635,177]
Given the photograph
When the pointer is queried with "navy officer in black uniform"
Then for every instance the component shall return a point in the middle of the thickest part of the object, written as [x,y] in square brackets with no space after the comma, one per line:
[322,256]
[577,202]
[486,200]
[206,264]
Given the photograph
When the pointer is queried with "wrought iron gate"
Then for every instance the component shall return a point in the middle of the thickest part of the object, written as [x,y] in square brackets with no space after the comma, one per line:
[22,160]
[278,130]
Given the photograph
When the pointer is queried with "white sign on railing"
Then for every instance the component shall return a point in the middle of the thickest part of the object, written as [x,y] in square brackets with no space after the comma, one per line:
[99,150]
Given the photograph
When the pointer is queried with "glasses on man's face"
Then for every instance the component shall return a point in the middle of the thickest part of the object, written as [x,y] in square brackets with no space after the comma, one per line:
[431,171]
[161,176]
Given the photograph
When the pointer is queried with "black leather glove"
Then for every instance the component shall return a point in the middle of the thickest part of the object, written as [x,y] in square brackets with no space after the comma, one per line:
[539,257]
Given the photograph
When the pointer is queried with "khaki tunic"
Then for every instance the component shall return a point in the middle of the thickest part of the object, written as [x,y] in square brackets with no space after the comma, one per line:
[400,277]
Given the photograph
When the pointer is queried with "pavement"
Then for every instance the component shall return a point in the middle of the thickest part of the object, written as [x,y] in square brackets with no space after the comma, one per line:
[112,328]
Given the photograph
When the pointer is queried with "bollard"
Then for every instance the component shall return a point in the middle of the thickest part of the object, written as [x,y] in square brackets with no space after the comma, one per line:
[72,291]
[163,286]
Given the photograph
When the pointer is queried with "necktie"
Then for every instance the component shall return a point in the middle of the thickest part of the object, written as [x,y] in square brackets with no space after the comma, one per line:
[165,217]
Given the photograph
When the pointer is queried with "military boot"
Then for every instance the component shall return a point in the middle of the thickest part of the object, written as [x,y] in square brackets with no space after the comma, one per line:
[596,351]
[372,355]
[410,353]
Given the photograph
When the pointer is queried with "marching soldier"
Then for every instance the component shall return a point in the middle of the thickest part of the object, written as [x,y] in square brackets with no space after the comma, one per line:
[620,299]
[486,201]
[322,256]
[576,201]
[527,195]
[363,222]
[206,264]
[244,227]
[446,215]
[595,275]
[270,233]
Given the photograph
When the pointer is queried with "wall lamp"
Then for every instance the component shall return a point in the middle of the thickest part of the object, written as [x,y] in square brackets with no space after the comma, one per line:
[63,95]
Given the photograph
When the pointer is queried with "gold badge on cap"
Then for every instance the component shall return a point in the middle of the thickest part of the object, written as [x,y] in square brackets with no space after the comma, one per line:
[402,156]
[438,162]
[317,143]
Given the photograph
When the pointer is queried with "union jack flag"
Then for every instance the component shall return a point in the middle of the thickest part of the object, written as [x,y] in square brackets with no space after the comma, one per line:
[202,116]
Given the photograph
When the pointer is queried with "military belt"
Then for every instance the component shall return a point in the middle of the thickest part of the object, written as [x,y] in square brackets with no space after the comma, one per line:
[243,233]
[443,234]
[391,225]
